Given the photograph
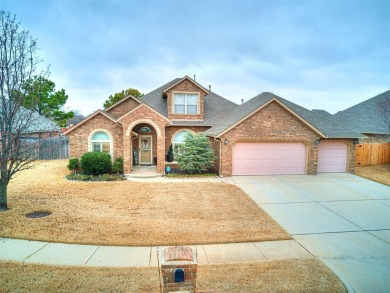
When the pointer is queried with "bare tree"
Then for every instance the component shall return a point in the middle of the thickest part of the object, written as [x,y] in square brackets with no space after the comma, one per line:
[76,118]
[18,125]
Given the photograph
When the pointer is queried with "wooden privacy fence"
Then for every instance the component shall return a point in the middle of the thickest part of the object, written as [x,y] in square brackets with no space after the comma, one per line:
[54,148]
[372,154]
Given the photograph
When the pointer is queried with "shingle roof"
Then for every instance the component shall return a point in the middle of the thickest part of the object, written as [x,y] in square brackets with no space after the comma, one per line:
[329,128]
[215,106]
[322,113]
[365,117]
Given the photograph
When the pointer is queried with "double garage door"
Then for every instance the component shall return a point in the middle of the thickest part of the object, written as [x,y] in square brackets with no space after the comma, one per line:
[269,158]
[280,158]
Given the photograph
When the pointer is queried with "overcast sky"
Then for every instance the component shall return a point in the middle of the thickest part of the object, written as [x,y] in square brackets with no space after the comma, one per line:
[319,54]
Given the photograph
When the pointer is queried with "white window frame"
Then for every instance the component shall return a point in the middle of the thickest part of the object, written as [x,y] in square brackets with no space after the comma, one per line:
[186,103]
[111,141]
[175,134]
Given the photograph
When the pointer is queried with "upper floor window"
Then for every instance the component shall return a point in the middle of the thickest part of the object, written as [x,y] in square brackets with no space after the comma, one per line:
[186,103]
[101,142]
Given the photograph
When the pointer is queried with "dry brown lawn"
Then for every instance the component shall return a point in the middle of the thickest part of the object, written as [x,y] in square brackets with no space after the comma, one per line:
[131,213]
[303,275]
[379,173]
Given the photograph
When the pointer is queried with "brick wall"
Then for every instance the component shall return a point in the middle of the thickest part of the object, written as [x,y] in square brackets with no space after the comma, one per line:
[123,108]
[186,86]
[271,124]
[78,138]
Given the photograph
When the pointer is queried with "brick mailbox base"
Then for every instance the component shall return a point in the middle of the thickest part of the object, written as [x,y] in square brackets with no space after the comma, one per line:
[179,267]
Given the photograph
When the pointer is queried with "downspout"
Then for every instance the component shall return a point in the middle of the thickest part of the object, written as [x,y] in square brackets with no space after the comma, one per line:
[220,156]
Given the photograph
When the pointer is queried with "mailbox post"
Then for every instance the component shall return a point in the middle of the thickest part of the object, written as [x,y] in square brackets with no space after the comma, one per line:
[179,267]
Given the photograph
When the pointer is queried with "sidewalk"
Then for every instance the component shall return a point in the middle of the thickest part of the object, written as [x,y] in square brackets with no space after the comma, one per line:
[126,256]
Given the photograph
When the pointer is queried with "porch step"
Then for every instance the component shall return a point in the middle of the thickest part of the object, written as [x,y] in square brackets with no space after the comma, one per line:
[143,172]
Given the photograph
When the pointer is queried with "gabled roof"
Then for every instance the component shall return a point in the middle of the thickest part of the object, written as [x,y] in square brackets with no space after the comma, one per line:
[190,80]
[121,101]
[40,123]
[108,115]
[365,117]
[323,126]
[215,106]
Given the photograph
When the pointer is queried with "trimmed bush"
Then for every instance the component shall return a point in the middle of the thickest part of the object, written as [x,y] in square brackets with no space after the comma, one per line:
[73,164]
[96,163]
[117,167]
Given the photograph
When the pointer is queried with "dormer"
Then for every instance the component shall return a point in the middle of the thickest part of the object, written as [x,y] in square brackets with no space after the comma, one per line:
[185,100]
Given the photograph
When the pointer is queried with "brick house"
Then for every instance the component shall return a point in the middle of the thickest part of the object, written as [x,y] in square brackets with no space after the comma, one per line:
[266,135]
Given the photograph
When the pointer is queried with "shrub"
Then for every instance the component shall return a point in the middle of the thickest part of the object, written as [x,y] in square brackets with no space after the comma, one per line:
[73,164]
[96,163]
[117,167]
[197,155]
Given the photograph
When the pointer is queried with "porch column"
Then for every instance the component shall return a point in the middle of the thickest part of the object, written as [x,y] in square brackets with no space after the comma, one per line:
[161,151]
[127,161]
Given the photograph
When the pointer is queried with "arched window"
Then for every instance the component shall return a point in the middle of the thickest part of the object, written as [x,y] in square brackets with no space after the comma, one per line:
[101,142]
[178,141]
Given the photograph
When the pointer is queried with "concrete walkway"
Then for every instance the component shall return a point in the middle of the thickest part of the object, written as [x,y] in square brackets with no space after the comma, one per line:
[122,256]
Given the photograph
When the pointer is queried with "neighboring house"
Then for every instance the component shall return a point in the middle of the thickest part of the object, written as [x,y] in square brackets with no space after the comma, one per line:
[371,117]
[266,135]
[41,127]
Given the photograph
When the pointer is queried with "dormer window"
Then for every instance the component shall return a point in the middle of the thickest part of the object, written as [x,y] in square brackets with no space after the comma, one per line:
[186,103]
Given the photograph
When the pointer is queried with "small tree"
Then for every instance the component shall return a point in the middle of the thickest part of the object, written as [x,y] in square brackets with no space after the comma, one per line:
[73,164]
[197,155]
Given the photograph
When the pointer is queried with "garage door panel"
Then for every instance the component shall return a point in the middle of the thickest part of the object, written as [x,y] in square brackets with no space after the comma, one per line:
[254,158]
[332,156]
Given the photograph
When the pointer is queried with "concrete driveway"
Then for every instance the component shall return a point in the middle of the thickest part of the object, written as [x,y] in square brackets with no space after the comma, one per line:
[340,218]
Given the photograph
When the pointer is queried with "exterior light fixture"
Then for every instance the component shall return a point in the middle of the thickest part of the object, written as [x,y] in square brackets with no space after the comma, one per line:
[316,142]
[225,141]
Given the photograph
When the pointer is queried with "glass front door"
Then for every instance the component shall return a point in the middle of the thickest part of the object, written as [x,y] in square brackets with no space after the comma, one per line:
[145,149]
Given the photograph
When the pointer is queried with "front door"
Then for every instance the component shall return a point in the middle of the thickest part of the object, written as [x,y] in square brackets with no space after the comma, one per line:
[145,150]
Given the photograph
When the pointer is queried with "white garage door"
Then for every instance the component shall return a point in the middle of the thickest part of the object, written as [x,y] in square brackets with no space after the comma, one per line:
[332,156]
[268,158]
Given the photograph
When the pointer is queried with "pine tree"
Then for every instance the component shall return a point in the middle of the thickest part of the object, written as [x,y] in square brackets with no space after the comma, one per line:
[197,155]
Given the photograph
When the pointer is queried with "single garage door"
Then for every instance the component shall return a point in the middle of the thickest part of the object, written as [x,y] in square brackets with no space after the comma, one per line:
[332,156]
[268,158]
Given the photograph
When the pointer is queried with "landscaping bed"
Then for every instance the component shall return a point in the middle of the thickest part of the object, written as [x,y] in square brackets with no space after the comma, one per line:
[292,275]
[131,213]
[378,173]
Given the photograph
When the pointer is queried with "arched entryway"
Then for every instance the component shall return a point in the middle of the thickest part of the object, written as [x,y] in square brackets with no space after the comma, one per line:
[144,146]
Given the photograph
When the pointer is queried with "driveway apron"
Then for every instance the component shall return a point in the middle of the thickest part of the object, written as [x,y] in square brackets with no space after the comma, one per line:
[340,218]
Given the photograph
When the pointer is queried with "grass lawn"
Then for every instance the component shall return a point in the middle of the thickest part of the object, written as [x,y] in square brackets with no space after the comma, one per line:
[131,213]
[303,275]
[379,173]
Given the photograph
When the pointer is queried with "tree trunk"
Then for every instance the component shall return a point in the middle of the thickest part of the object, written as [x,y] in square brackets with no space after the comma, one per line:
[3,196]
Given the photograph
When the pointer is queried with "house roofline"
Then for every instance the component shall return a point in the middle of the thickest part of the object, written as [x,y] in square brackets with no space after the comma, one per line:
[90,117]
[189,79]
[264,105]
[143,105]
[121,101]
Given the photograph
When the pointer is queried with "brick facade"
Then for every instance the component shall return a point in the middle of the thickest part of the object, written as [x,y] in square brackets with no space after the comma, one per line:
[79,138]
[122,108]
[186,86]
[272,123]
